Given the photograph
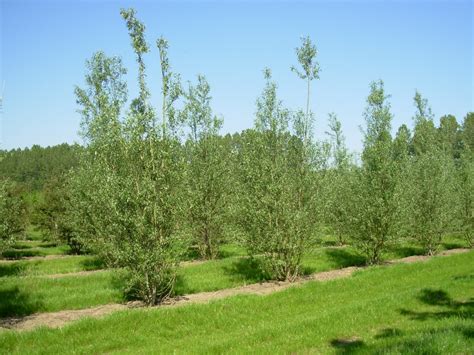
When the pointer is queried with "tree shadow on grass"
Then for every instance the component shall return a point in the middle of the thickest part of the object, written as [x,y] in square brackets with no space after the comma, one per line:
[440,298]
[427,341]
[347,345]
[92,264]
[18,254]
[424,341]
[14,302]
[345,258]
[248,269]
[404,251]
[12,269]
[453,245]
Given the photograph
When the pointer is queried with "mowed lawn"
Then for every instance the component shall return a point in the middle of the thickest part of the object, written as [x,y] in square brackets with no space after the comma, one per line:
[425,307]
[26,289]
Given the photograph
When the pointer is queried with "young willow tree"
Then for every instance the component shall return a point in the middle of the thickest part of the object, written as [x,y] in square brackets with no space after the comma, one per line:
[12,214]
[373,207]
[430,187]
[129,188]
[207,170]
[466,180]
[337,185]
[276,197]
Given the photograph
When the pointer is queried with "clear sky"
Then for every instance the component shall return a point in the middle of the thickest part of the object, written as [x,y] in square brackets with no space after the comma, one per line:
[424,45]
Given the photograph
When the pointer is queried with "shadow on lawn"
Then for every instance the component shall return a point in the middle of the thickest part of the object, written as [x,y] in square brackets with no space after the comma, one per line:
[426,341]
[92,264]
[453,245]
[248,269]
[344,258]
[440,298]
[18,254]
[12,269]
[14,302]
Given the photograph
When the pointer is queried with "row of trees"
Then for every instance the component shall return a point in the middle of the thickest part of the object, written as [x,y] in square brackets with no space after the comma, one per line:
[151,185]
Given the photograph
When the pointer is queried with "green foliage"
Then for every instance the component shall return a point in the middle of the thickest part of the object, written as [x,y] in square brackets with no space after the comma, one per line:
[372,217]
[468,131]
[428,189]
[33,167]
[12,213]
[128,193]
[431,207]
[449,137]
[276,196]
[207,171]
[53,214]
[306,55]
[170,88]
[337,182]
[465,175]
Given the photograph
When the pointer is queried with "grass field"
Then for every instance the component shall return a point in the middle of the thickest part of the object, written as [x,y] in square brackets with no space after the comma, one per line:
[426,307]
[420,308]
[26,289]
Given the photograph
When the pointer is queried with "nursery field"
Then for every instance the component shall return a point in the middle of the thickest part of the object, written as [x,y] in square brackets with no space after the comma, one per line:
[177,225]
[421,307]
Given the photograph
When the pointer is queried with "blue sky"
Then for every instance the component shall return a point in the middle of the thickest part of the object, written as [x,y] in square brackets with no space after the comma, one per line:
[424,45]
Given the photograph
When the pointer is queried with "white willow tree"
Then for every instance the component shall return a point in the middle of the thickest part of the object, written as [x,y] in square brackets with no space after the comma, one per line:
[130,186]
[207,170]
[12,214]
[373,207]
[276,197]
[337,182]
[466,180]
[430,187]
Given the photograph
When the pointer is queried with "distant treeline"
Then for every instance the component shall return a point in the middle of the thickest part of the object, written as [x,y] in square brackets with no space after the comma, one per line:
[33,167]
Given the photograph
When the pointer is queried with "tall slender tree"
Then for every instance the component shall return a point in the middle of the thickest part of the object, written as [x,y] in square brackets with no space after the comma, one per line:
[12,214]
[373,205]
[208,170]
[130,186]
[430,187]
[275,199]
[337,182]
[309,71]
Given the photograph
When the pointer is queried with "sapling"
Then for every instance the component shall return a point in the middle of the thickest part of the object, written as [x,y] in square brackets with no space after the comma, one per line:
[372,216]
[12,214]
[430,187]
[207,170]
[275,200]
[337,181]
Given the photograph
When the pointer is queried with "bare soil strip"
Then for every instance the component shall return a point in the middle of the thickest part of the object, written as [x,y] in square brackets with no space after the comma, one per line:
[78,273]
[59,319]
[33,258]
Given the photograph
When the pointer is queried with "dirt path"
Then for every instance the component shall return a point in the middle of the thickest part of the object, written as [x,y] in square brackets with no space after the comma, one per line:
[32,258]
[59,319]
[78,273]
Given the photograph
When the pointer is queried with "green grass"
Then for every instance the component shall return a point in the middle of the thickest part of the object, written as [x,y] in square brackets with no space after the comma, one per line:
[415,308]
[50,266]
[21,296]
[34,247]
[74,292]
[45,295]
[33,234]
